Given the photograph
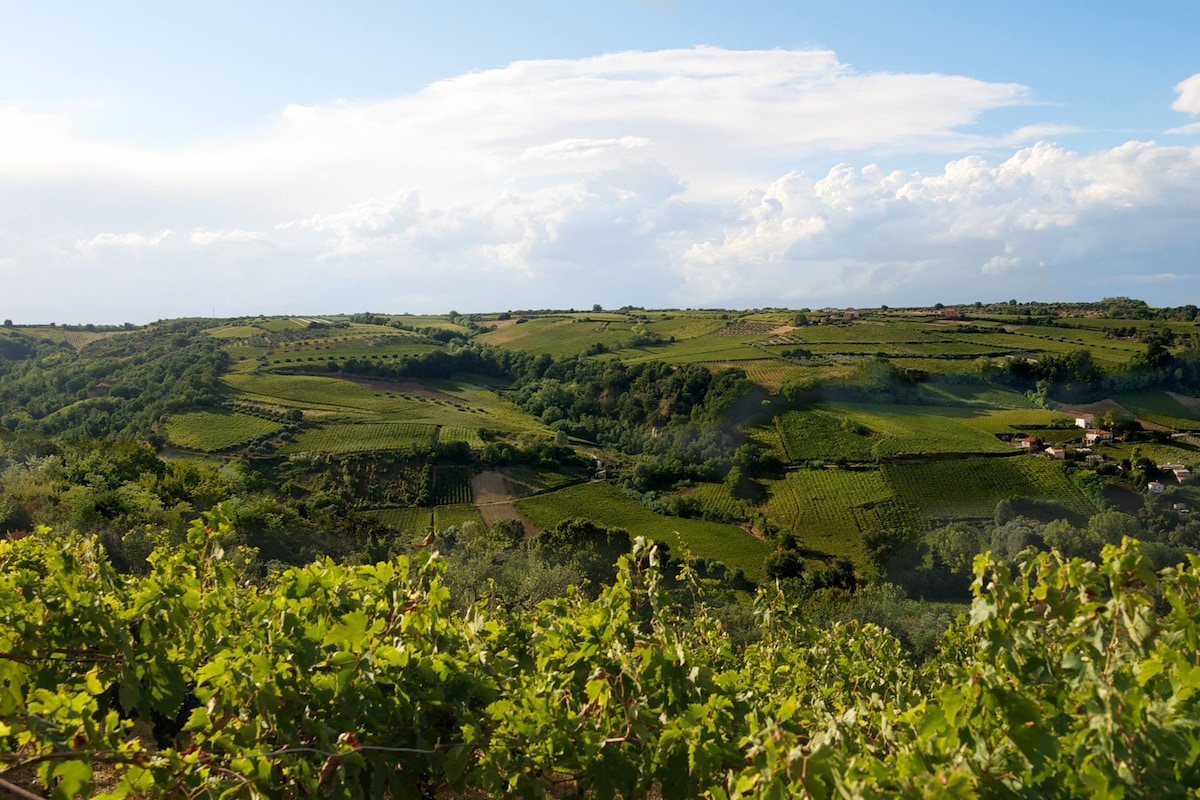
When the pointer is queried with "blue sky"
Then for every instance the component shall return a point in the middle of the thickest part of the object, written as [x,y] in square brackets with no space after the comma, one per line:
[166,159]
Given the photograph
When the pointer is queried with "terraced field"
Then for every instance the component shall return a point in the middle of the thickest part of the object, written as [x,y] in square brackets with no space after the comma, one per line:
[606,505]
[210,431]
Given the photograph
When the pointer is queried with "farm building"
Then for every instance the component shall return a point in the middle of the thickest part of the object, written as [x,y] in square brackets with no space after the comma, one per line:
[1182,508]
[1031,443]
[1180,471]
[1057,453]
[1093,435]
[1154,487]
[1085,420]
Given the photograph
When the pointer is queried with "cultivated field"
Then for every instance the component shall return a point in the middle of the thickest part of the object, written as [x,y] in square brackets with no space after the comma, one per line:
[606,505]
[210,431]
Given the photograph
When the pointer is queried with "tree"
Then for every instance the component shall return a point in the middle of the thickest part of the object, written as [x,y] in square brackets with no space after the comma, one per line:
[8,323]
[597,307]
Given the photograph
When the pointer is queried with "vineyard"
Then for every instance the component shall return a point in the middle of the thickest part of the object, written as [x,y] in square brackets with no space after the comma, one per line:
[210,431]
[971,488]
[448,434]
[606,505]
[405,519]
[353,437]
[451,486]
[713,502]
[366,682]
[816,434]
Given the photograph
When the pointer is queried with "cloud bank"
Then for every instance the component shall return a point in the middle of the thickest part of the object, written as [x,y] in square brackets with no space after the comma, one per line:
[654,178]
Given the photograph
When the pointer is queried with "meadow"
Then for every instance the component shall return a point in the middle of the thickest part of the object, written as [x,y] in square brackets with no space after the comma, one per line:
[604,504]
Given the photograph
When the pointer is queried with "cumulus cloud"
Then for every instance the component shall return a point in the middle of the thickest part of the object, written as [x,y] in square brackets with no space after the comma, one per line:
[667,177]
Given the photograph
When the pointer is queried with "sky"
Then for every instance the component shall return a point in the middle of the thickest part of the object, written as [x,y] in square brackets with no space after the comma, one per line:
[161,160]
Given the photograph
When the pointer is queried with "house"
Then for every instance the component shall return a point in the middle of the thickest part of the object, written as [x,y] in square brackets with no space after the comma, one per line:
[1182,508]
[1057,453]
[1183,474]
[1154,487]
[1031,443]
[1096,458]
[852,313]
[1085,420]
[1093,435]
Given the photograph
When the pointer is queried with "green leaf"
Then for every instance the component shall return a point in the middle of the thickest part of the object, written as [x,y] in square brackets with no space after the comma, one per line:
[74,780]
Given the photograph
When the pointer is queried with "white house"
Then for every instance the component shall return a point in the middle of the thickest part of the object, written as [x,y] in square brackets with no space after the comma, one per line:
[1154,487]
[1085,420]
[1057,453]
[1094,435]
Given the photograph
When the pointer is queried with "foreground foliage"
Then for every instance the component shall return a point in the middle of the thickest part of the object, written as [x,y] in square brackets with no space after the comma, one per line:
[1067,679]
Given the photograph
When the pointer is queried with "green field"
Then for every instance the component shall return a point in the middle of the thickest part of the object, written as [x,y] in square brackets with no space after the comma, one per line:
[917,430]
[606,505]
[453,403]
[405,519]
[352,437]
[818,434]
[456,516]
[1161,409]
[449,434]
[211,431]
[971,488]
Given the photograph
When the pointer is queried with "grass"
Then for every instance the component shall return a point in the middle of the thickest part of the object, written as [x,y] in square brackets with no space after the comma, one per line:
[981,394]
[1161,409]
[463,405]
[918,430]
[210,431]
[405,519]
[606,505]
[456,516]
[355,437]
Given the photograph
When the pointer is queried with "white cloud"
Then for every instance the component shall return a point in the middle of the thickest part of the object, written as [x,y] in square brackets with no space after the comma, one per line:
[1185,130]
[1189,95]
[666,177]
[204,237]
[123,241]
